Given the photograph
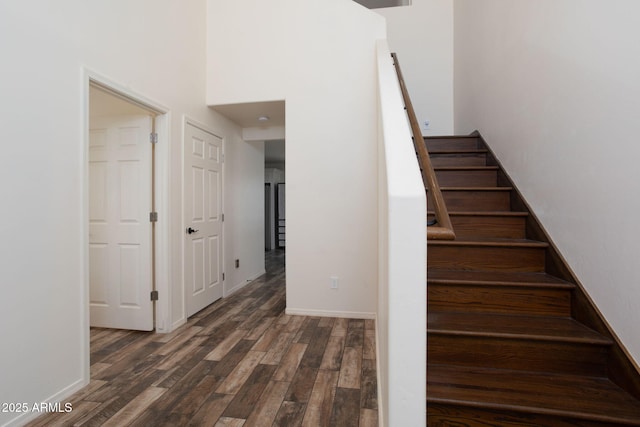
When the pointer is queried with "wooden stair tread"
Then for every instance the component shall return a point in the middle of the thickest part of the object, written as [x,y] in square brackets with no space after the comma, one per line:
[485,213]
[490,242]
[538,328]
[465,168]
[476,189]
[450,137]
[496,278]
[459,151]
[579,397]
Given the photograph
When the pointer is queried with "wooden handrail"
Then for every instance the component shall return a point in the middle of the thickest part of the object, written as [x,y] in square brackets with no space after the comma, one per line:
[443,230]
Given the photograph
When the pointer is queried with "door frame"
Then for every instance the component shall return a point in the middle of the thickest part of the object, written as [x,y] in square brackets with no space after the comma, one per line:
[187,120]
[162,271]
[268,209]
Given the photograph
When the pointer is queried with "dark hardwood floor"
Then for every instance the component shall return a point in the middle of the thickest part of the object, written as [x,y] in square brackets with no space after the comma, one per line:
[239,362]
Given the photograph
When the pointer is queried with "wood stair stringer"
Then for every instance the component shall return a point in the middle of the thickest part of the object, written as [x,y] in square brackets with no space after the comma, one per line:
[552,399]
[509,275]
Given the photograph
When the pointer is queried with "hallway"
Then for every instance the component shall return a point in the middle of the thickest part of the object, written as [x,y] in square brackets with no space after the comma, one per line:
[239,362]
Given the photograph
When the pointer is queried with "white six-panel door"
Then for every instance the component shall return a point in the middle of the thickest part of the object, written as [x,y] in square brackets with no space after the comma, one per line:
[120,185]
[203,218]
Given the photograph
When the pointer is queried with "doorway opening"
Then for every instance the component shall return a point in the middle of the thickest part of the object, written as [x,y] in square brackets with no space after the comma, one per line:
[203,217]
[124,193]
[275,199]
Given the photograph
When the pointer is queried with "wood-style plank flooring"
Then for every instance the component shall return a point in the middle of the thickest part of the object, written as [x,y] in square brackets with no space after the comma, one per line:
[239,362]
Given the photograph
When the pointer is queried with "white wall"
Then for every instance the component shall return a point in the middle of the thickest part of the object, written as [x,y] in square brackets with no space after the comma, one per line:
[553,86]
[320,58]
[402,261]
[155,48]
[422,36]
[373,4]
[244,213]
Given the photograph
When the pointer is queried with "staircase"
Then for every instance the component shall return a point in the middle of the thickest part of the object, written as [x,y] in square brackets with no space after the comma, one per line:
[512,339]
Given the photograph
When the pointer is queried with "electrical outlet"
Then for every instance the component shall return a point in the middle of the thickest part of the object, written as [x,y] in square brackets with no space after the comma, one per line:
[334,282]
[237,263]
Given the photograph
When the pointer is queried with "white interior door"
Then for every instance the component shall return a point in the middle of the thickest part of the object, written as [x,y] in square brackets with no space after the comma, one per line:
[203,218]
[120,185]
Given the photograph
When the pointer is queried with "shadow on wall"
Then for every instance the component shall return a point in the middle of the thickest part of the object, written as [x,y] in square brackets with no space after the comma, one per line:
[376,4]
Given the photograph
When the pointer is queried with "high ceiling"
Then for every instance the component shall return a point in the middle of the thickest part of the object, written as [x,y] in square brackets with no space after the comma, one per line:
[247,115]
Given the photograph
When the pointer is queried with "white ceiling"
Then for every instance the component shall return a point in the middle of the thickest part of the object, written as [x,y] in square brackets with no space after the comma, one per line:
[246,115]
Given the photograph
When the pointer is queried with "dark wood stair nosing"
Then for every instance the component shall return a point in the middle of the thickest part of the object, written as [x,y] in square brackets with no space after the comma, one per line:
[523,337]
[484,277]
[484,325]
[507,214]
[498,284]
[501,243]
[483,189]
[460,151]
[450,137]
[451,382]
[466,168]
[535,410]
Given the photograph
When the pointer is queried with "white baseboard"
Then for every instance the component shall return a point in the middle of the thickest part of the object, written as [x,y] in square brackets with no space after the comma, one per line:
[329,313]
[255,276]
[241,285]
[175,325]
[60,397]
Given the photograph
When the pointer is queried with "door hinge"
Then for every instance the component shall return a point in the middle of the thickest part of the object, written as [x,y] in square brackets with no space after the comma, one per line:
[153,138]
[222,276]
[154,295]
[153,216]
[222,217]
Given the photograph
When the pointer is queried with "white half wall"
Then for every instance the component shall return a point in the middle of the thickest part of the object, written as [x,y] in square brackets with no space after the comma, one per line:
[154,48]
[422,36]
[553,86]
[320,58]
[402,260]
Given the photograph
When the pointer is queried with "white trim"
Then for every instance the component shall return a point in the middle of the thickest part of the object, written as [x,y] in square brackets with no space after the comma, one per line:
[329,313]
[193,122]
[60,397]
[175,325]
[163,226]
[379,383]
[120,91]
[241,285]
[187,120]
[85,342]
[162,247]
